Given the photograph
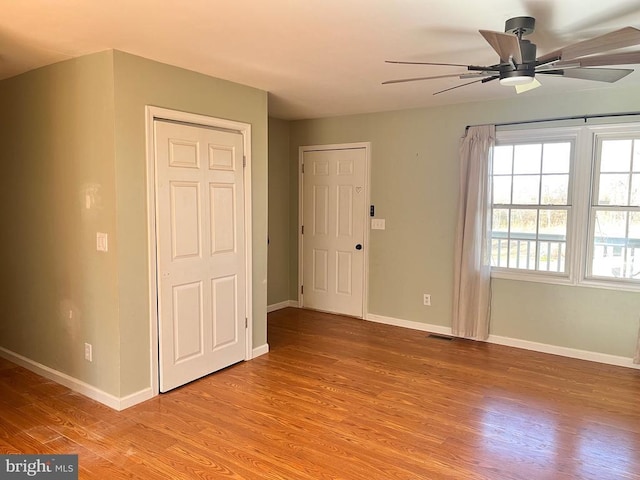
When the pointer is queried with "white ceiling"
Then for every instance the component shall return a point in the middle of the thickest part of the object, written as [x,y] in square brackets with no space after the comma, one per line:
[316,58]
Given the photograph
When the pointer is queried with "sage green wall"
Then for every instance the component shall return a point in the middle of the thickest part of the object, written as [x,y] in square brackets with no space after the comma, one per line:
[279,206]
[140,82]
[78,128]
[414,186]
[57,137]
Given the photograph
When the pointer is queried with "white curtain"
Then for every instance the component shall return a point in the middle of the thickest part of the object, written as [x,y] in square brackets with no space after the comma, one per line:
[636,358]
[472,287]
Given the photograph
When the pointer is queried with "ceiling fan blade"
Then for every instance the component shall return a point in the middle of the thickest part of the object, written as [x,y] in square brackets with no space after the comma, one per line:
[483,74]
[609,75]
[625,37]
[527,86]
[483,80]
[462,76]
[416,79]
[624,58]
[473,68]
[505,44]
[426,63]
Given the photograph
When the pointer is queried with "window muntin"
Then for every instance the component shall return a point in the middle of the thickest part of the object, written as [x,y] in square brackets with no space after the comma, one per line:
[531,205]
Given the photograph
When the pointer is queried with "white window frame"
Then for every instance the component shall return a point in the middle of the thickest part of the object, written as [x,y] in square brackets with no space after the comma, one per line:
[582,176]
[605,132]
[547,135]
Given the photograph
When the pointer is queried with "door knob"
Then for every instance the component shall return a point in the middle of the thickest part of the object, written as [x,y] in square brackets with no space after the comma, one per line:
[359,246]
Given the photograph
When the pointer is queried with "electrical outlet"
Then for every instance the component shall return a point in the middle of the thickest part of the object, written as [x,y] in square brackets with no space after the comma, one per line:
[426,299]
[88,352]
[102,242]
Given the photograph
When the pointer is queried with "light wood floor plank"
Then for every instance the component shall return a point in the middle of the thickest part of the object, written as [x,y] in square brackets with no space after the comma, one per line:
[341,398]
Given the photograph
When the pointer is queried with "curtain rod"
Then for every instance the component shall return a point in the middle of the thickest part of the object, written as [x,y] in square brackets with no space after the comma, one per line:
[576,117]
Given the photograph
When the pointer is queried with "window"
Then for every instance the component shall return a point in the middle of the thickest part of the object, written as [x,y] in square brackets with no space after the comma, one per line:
[615,209]
[565,205]
[530,188]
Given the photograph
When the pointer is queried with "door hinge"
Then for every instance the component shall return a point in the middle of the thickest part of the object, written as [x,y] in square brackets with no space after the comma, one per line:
[246,322]
[303,168]
[302,289]
[244,160]
[302,229]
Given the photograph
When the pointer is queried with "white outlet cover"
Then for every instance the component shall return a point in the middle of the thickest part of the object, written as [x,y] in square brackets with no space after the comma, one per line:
[102,242]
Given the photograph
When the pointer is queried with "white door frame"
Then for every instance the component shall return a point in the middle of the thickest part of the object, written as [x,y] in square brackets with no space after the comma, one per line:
[367,223]
[158,113]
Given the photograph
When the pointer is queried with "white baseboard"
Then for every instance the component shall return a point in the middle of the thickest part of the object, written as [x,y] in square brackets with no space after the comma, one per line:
[136,398]
[261,350]
[117,403]
[425,327]
[564,351]
[514,342]
[281,305]
[94,393]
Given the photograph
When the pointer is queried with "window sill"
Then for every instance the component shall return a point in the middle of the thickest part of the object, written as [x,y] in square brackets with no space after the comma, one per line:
[539,277]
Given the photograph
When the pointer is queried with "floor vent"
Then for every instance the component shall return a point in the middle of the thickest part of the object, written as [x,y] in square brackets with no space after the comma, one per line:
[439,336]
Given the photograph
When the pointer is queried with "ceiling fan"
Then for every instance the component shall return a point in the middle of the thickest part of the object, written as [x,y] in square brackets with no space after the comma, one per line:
[519,65]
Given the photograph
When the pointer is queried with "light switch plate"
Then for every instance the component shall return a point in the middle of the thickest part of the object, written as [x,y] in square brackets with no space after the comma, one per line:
[102,244]
[377,224]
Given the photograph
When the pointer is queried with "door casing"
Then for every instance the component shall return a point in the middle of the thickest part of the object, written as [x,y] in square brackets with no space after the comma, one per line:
[157,113]
[367,175]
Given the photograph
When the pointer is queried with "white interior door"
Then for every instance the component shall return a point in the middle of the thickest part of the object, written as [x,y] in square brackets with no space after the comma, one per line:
[200,251]
[334,214]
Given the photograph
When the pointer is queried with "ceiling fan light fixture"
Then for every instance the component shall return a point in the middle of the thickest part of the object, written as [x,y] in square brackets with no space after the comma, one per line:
[516,80]
[519,62]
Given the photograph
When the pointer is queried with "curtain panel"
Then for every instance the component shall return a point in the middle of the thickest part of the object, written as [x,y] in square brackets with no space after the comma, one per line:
[636,357]
[472,267]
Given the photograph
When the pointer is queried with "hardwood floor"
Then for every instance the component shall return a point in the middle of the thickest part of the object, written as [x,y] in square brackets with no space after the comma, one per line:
[343,398]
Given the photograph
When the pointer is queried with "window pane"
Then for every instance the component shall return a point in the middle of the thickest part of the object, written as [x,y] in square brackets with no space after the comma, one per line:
[526,189]
[551,257]
[552,235]
[634,229]
[502,190]
[499,253]
[633,247]
[556,157]
[502,159]
[522,254]
[524,223]
[636,155]
[614,189]
[611,226]
[616,156]
[608,244]
[555,189]
[522,248]
[500,222]
[616,247]
[635,190]
[552,225]
[527,158]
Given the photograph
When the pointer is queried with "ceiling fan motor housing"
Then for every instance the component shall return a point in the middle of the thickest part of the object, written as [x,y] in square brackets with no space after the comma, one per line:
[520,26]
